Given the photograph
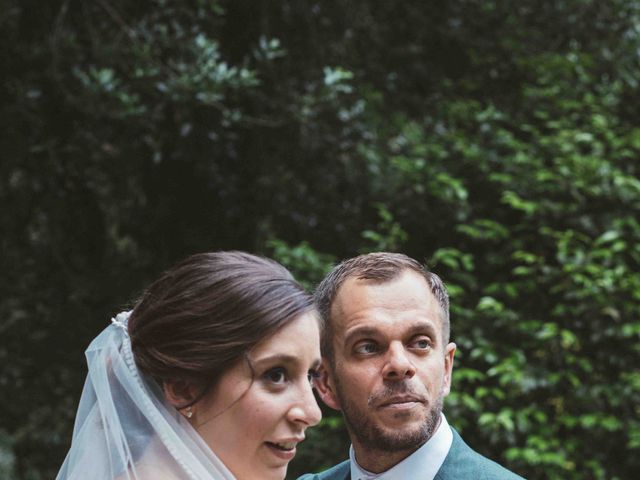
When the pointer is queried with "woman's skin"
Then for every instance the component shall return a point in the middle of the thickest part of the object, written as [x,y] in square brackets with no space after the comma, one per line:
[253,420]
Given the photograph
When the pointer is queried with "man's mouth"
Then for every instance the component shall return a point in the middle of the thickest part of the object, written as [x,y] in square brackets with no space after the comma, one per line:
[401,401]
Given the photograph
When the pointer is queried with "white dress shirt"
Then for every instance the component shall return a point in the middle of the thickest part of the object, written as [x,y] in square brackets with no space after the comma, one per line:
[424,463]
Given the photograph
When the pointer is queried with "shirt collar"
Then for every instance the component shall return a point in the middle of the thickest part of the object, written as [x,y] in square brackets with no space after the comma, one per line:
[424,463]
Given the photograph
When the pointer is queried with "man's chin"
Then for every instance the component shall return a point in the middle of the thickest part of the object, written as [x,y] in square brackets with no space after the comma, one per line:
[399,427]
[394,439]
[401,430]
[401,416]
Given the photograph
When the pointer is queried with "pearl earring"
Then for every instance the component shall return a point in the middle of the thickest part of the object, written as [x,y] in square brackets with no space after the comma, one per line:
[188,413]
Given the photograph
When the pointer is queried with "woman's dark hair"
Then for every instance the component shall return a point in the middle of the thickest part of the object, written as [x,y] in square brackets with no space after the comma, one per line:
[207,312]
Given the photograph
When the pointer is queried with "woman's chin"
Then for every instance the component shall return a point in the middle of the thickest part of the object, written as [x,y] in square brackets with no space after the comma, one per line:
[263,473]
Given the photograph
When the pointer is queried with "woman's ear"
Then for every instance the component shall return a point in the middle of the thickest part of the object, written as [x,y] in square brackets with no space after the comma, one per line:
[179,392]
[325,386]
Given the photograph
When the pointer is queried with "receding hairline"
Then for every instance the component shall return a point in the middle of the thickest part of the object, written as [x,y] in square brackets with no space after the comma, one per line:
[364,280]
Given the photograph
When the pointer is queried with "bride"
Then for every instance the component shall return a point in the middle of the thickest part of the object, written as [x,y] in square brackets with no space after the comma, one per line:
[208,377]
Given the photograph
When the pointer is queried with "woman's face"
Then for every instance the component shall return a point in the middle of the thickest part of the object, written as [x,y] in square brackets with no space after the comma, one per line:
[253,421]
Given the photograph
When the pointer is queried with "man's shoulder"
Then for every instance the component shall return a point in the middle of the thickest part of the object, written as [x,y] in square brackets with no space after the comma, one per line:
[464,462]
[340,471]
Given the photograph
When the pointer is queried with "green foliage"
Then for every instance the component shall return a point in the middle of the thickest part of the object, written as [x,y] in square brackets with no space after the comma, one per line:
[7,458]
[388,235]
[308,266]
[496,141]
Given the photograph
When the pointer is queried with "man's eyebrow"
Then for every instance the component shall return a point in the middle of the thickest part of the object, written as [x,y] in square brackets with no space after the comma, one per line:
[423,326]
[363,331]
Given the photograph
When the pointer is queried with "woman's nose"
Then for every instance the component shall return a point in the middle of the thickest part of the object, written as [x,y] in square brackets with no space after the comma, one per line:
[306,409]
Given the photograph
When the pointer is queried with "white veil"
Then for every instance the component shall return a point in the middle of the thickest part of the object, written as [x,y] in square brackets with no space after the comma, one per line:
[124,429]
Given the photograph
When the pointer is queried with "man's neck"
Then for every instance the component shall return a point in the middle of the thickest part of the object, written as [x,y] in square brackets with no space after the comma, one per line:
[378,461]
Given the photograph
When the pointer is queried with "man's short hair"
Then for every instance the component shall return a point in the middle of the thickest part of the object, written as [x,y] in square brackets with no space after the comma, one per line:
[377,267]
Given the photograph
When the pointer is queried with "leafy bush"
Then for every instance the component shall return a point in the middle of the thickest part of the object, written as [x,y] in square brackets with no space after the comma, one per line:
[497,142]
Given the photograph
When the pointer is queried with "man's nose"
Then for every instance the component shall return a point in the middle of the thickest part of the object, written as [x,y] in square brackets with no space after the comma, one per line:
[398,364]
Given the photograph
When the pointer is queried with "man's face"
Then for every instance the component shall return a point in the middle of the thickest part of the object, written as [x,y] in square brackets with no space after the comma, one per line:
[391,369]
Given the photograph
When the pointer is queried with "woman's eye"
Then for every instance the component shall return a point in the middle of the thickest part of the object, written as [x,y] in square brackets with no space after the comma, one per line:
[312,376]
[366,348]
[276,375]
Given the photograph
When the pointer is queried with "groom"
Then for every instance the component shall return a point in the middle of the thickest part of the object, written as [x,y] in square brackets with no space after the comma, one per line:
[387,367]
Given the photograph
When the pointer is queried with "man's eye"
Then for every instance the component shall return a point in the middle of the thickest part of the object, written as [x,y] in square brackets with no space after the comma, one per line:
[366,348]
[276,375]
[421,343]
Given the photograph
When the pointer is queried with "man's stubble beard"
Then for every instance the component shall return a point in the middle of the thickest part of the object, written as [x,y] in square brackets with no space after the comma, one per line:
[372,437]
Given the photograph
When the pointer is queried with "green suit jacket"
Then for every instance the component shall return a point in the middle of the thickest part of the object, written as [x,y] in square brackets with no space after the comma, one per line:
[461,463]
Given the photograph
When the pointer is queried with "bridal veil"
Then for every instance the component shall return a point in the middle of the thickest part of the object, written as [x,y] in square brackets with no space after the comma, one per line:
[124,429]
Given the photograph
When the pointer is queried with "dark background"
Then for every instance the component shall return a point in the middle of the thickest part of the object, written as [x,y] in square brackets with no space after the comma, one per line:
[496,140]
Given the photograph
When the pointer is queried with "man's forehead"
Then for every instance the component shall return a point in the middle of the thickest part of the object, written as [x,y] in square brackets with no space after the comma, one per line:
[409,290]
[356,285]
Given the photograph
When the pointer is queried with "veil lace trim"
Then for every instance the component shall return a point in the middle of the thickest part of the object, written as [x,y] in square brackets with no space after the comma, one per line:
[123,421]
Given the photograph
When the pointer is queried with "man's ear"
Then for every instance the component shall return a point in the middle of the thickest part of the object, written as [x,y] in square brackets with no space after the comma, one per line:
[179,392]
[449,352]
[325,386]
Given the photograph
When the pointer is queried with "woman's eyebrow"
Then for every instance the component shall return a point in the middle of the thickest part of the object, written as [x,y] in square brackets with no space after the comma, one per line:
[277,358]
[283,358]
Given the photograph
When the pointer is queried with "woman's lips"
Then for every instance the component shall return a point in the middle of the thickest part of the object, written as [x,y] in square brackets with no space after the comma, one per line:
[284,450]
